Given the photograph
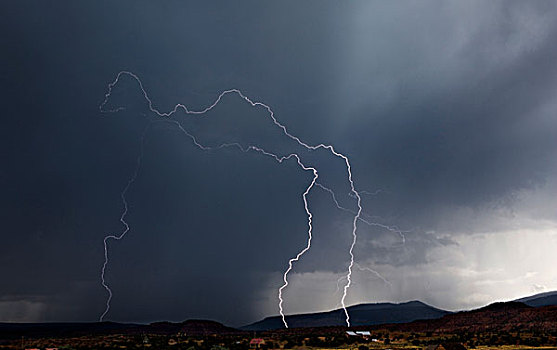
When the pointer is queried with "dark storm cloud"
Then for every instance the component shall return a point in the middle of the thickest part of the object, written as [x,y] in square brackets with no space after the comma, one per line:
[442,105]
[470,141]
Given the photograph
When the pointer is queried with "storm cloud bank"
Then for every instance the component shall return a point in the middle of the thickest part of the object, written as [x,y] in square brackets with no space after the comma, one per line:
[446,110]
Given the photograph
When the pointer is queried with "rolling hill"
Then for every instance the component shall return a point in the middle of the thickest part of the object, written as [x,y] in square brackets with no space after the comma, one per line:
[508,316]
[190,327]
[362,314]
[542,299]
[533,312]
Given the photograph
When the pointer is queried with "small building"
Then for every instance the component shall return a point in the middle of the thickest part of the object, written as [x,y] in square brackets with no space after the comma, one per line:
[363,334]
[256,343]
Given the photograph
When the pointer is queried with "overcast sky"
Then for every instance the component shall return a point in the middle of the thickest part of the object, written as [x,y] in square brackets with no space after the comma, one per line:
[446,109]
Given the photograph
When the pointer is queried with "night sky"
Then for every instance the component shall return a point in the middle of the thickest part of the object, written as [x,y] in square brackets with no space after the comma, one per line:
[446,109]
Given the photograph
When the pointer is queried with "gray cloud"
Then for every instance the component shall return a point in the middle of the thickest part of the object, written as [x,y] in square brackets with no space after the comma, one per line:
[447,107]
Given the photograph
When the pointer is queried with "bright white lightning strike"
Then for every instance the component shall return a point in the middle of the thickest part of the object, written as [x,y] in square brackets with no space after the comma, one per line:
[280,159]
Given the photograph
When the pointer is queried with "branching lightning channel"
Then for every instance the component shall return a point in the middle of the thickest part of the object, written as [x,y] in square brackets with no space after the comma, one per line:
[124,223]
[280,159]
[393,229]
[365,269]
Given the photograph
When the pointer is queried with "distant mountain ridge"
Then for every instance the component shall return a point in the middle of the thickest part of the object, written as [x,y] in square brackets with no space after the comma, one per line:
[62,329]
[386,313]
[503,316]
[533,312]
[362,314]
[541,299]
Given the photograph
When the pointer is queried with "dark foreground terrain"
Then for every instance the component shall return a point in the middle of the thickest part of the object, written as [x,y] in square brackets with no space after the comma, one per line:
[525,324]
[299,338]
[503,325]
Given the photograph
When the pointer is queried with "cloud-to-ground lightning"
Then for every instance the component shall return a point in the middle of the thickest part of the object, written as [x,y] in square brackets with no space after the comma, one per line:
[167,115]
[124,223]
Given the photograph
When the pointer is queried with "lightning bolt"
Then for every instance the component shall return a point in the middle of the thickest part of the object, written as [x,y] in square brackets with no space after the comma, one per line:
[365,269]
[369,269]
[280,159]
[124,223]
[401,233]
[393,229]
[369,193]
